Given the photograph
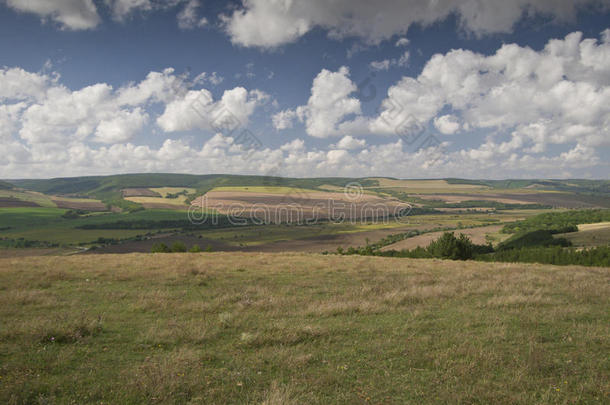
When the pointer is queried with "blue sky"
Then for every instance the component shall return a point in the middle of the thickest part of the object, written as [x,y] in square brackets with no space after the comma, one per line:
[454,89]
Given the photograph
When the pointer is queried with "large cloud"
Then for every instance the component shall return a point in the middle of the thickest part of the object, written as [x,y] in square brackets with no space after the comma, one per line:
[271,23]
[222,154]
[544,113]
[18,84]
[84,15]
[36,109]
[329,104]
[556,96]
[69,14]
[198,110]
[529,103]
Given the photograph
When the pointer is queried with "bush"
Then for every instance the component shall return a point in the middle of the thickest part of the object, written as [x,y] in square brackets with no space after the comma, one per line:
[178,247]
[73,214]
[160,248]
[195,249]
[450,247]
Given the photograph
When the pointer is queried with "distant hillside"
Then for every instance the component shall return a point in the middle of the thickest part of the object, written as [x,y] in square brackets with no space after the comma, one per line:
[570,185]
[5,186]
[107,187]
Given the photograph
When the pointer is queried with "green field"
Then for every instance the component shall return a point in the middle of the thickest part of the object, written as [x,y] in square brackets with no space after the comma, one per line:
[129,220]
[48,225]
[217,328]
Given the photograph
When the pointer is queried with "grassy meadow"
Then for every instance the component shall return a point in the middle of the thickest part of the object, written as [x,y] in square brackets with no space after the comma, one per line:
[252,328]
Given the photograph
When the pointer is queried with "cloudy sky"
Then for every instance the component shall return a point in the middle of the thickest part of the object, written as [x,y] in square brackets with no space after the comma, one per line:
[400,88]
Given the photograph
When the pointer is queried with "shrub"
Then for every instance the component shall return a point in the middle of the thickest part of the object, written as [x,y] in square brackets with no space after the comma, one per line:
[195,249]
[160,248]
[178,247]
[450,247]
[73,214]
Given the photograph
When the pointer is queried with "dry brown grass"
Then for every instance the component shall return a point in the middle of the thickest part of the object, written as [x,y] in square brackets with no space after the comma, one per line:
[279,395]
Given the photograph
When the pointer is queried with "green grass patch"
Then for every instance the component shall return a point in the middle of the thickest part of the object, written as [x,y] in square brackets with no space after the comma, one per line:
[217,328]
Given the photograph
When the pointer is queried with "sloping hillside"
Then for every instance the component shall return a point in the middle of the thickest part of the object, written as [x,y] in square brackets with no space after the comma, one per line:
[216,328]
[105,186]
[5,186]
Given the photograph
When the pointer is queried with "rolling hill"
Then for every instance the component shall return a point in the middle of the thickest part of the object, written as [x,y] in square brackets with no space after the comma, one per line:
[105,186]
[5,186]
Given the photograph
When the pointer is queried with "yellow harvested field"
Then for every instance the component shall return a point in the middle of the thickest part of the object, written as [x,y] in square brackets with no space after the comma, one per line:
[262,189]
[589,227]
[179,202]
[330,187]
[425,184]
[162,202]
[477,235]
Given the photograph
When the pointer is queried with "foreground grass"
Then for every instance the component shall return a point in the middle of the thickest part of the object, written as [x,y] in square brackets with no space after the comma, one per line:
[295,328]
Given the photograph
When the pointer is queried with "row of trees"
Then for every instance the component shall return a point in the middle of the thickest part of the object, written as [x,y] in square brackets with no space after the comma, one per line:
[598,256]
[460,247]
[448,246]
[177,247]
[558,222]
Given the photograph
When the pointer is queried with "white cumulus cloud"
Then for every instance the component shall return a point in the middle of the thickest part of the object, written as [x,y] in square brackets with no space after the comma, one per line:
[121,127]
[329,104]
[349,143]
[69,14]
[272,23]
[198,110]
[447,124]
[559,95]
